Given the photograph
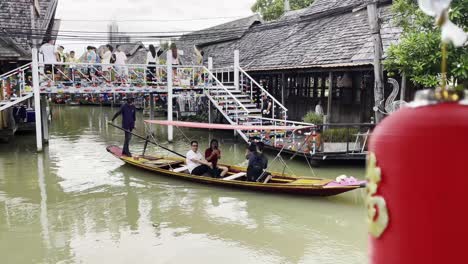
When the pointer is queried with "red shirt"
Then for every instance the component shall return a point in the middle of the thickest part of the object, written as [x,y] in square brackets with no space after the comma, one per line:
[214,159]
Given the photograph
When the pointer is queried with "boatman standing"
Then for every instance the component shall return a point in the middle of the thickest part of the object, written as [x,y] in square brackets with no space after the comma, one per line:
[128,123]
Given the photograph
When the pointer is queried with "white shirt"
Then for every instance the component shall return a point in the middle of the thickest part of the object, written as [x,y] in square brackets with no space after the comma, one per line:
[191,155]
[120,58]
[106,57]
[48,51]
[318,110]
[150,58]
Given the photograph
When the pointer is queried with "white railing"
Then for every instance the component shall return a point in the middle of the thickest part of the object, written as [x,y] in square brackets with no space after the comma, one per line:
[108,78]
[222,73]
[16,81]
[219,86]
[245,76]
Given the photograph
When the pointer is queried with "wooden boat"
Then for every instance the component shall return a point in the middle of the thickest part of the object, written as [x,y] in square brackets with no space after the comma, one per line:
[236,178]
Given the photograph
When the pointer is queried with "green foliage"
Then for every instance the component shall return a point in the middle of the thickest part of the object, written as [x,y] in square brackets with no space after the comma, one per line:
[273,9]
[339,134]
[418,54]
[313,118]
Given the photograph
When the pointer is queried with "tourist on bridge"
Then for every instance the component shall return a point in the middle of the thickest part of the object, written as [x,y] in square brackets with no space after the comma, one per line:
[90,58]
[72,60]
[127,111]
[106,59]
[48,56]
[120,61]
[152,59]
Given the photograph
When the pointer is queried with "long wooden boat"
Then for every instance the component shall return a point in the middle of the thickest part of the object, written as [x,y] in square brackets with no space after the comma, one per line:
[236,178]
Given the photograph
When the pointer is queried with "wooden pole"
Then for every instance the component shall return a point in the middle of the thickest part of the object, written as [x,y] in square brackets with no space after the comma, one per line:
[45,122]
[236,69]
[170,129]
[151,106]
[151,110]
[283,86]
[330,95]
[403,87]
[378,72]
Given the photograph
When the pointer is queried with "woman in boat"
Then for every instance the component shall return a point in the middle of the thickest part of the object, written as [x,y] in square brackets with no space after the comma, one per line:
[258,162]
[196,164]
[213,154]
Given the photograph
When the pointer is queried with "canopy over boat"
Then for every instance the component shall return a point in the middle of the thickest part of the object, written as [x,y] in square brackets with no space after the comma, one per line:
[222,126]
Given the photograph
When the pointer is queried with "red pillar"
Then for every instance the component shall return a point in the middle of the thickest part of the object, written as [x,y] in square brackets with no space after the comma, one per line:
[422,155]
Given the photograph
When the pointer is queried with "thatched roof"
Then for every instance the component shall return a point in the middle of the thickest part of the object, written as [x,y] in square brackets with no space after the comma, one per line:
[15,16]
[329,33]
[226,32]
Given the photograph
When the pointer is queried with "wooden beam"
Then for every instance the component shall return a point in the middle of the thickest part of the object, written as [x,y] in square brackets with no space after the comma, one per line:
[372,13]
[403,87]
[315,86]
[330,95]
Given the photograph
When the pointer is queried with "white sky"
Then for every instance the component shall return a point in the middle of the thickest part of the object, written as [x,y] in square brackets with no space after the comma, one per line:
[144,10]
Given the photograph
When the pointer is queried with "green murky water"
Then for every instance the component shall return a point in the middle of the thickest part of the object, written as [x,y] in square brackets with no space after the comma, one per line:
[75,203]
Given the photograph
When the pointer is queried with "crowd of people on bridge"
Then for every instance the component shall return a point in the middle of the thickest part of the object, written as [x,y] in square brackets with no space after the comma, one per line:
[106,61]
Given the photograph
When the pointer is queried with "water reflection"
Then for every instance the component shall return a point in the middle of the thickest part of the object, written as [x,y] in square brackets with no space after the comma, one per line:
[78,204]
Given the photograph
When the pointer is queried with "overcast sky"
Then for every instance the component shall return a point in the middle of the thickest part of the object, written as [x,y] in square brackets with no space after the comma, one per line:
[119,10]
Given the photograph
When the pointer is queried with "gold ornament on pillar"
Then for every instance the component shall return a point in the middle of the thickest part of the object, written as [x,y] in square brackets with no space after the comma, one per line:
[377,213]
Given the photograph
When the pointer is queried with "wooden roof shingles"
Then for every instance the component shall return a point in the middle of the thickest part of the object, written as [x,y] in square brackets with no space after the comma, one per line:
[205,38]
[336,39]
[15,22]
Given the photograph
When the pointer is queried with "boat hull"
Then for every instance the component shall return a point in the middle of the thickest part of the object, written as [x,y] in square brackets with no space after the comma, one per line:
[296,186]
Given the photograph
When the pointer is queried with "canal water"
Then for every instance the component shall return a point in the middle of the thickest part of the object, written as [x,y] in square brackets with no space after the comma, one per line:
[76,203]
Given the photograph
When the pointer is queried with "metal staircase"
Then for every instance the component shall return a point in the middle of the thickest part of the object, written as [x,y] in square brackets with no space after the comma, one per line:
[24,92]
[240,104]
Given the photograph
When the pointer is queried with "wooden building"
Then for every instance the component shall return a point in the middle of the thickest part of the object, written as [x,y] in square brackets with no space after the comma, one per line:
[15,30]
[320,53]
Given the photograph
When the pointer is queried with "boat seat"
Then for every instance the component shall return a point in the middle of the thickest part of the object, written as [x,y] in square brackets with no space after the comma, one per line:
[235,176]
[180,169]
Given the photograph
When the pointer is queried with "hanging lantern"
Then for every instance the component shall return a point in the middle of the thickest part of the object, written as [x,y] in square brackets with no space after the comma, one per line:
[417,177]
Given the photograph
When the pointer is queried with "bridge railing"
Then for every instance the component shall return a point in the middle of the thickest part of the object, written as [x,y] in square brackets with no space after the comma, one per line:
[108,78]
[16,83]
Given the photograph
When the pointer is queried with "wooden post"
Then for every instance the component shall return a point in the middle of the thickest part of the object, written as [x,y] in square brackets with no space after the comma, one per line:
[330,95]
[37,99]
[378,72]
[283,84]
[45,122]
[403,87]
[151,106]
[1,99]
[151,111]
[236,69]
[170,129]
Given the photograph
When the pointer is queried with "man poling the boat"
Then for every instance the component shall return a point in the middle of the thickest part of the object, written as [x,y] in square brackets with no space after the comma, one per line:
[128,123]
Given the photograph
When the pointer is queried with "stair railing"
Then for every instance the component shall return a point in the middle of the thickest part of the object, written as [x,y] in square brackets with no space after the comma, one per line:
[275,103]
[219,86]
[19,77]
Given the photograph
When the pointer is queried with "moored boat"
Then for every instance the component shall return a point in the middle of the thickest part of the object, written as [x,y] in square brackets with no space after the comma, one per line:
[236,178]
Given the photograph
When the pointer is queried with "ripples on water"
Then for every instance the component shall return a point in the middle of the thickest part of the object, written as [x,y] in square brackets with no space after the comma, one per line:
[75,203]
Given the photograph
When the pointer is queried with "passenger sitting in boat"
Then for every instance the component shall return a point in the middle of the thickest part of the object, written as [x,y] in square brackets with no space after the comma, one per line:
[258,162]
[213,154]
[196,164]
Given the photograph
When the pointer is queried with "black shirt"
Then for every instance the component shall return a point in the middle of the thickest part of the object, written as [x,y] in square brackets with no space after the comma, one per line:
[128,116]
